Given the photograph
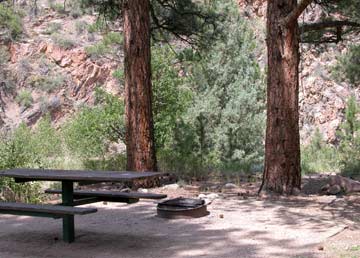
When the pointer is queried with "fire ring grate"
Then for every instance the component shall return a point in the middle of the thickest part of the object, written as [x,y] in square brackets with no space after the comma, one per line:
[181,208]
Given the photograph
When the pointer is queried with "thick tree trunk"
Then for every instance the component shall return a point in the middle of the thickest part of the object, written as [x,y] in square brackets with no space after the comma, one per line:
[282,171]
[138,95]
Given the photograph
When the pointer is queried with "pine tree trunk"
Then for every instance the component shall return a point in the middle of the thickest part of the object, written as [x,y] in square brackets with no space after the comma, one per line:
[138,94]
[282,171]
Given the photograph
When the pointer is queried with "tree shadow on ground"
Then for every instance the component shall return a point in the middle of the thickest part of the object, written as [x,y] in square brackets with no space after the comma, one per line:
[250,228]
[119,230]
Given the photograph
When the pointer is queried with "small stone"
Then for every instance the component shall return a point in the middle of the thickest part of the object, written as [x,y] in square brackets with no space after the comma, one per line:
[221,216]
[105,203]
[320,248]
[212,196]
[230,186]
[192,187]
[142,190]
[202,196]
[171,187]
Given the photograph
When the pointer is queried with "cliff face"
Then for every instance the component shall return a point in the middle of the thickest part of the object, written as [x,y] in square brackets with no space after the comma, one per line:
[44,75]
[322,98]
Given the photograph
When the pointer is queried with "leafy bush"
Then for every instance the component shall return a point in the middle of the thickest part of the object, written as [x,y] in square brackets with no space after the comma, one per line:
[57,7]
[10,23]
[108,46]
[171,95]
[24,98]
[27,149]
[47,83]
[81,26]
[53,27]
[4,55]
[75,8]
[348,66]
[98,26]
[90,132]
[119,75]
[319,156]
[63,41]
[218,123]
[349,135]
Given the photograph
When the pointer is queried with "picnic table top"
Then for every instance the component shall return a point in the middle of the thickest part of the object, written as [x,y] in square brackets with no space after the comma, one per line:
[76,175]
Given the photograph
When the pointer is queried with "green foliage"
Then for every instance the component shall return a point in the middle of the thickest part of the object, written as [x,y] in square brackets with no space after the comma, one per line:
[28,149]
[75,8]
[108,46]
[6,80]
[4,55]
[57,7]
[10,23]
[190,21]
[229,110]
[119,75]
[220,123]
[63,41]
[319,156]
[98,26]
[349,135]
[346,8]
[46,82]
[53,27]
[348,66]
[171,94]
[89,133]
[24,98]
[81,26]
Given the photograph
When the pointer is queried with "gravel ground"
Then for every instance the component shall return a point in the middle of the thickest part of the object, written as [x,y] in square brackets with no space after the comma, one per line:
[237,227]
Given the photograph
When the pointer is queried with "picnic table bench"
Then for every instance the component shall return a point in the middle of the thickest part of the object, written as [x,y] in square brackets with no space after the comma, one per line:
[70,198]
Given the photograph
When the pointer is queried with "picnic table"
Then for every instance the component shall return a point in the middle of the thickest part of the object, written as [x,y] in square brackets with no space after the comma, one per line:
[70,197]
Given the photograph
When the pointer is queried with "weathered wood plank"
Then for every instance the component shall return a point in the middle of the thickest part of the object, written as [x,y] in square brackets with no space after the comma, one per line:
[76,175]
[43,209]
[111,194]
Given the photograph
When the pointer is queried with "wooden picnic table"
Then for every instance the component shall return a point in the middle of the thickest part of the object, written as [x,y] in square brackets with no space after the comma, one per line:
[67,179]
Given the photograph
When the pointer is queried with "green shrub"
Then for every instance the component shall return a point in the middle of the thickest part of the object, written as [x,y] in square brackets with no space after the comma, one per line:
[90,132]
[349,134]
[57,7]
[348,66]
[98,26]
[119,75]
[53,27]
[81,26]
[24,148]
[24,98]
[46,82]
[4,55]
[63,41]
[108,46]
[209,106]
[10,22]
[319,156]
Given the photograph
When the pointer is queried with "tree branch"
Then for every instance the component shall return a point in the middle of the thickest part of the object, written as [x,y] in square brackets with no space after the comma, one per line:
[292,17]
[306,27]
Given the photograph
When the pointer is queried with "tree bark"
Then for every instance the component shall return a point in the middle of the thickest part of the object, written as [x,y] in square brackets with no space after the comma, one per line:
[138,93]
[282,171]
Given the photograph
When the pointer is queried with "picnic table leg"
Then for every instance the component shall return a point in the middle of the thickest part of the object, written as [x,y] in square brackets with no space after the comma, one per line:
[68,221]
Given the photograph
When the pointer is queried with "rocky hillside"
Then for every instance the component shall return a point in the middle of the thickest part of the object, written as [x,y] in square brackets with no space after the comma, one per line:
[50,71]
[54,74]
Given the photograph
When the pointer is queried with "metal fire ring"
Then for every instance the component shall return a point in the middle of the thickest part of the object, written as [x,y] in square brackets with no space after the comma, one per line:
[182,208]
